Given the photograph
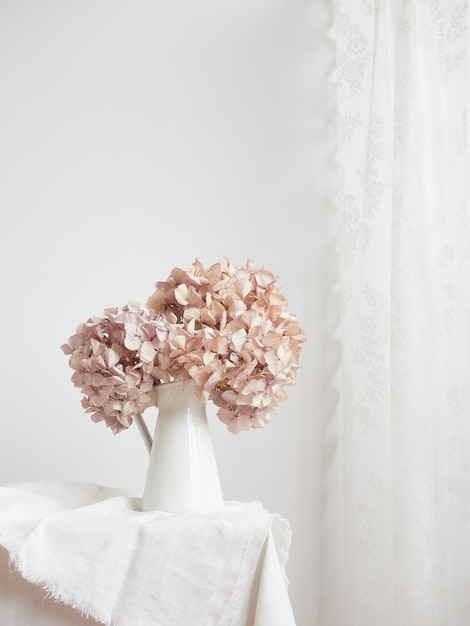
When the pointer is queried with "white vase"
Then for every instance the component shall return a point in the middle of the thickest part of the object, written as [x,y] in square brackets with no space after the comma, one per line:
[182,475]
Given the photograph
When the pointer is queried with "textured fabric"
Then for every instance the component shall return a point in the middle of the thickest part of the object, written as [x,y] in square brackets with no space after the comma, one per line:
[25,604]
[404,294]
[92,548]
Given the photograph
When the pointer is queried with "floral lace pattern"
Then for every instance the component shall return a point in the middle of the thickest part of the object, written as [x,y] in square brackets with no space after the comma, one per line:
[403,245]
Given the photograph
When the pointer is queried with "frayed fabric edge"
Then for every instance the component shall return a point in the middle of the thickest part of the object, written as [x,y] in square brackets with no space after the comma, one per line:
[54,592]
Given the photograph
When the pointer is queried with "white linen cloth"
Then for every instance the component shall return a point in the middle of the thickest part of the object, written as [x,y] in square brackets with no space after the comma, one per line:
[92,548]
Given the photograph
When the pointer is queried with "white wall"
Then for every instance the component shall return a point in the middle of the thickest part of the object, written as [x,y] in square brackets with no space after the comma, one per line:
[135,136]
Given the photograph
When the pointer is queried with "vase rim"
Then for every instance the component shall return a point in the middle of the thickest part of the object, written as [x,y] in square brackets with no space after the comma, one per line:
[189,386]
[178,382]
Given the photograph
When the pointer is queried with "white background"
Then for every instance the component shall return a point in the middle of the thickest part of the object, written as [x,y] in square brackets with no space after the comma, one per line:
[134,137]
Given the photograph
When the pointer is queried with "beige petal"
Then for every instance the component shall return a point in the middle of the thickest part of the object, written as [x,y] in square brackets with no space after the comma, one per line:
[132,342]
[112,357]
[264,278]
[147,351]
[181,294]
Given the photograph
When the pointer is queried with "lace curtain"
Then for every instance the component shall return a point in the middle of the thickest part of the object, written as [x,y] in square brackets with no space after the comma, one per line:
[404,275]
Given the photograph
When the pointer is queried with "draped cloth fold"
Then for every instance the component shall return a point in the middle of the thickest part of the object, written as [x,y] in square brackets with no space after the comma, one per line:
[92,548]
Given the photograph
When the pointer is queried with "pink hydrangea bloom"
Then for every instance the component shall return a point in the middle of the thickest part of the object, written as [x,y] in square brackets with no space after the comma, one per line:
[232,336]
[118,360]
[224,328]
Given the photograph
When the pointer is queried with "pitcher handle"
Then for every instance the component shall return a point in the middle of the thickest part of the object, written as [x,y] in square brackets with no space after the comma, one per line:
[144,431]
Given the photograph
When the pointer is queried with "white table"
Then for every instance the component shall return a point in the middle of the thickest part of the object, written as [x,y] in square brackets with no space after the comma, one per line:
[41,524]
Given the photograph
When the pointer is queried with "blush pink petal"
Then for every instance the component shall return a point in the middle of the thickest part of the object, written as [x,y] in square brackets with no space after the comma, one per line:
[147,351]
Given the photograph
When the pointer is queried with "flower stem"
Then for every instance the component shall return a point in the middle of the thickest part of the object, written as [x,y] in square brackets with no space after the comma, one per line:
[144,431]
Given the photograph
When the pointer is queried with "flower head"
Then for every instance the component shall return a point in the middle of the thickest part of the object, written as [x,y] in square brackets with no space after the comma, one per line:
[118,360]
[232,336]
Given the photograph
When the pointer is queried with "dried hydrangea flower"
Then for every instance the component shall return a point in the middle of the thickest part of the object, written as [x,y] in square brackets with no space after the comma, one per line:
[118,360]
[231,335]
